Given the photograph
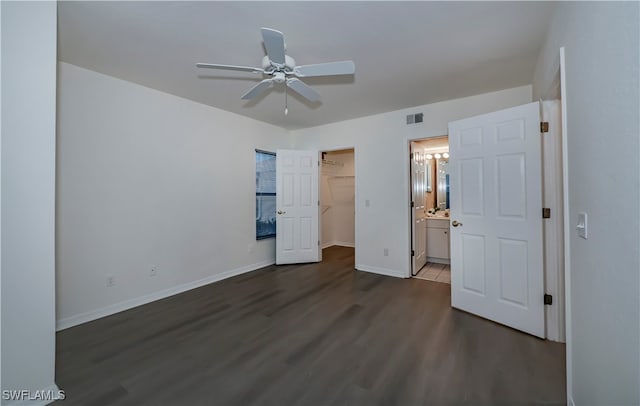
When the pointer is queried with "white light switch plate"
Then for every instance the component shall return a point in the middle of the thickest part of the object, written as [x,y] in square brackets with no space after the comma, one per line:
[583,225]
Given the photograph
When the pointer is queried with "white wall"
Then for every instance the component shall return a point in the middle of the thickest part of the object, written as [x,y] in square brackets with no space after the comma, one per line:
[28,184]
[601,43]
[337,198]
[150,179]
[381,169]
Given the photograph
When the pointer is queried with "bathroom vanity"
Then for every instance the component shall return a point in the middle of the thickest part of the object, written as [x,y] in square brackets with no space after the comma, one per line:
[438,239]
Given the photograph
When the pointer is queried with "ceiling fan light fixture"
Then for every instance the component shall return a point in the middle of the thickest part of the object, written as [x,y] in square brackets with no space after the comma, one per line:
[279,77]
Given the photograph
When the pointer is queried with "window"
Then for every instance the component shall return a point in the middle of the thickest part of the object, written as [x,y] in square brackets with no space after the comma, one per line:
[265,194]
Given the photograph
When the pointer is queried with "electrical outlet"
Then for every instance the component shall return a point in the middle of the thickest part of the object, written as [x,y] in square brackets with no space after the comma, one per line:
[153,271]
[386,252]
[111,281]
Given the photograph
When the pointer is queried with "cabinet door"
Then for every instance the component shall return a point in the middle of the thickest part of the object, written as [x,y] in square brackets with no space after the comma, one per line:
[438,243]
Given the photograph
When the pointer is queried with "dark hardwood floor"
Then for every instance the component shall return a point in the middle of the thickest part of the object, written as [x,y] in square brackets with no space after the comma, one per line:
[314,334]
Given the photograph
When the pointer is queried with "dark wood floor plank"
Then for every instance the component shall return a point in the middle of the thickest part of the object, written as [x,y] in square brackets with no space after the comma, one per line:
[307,334]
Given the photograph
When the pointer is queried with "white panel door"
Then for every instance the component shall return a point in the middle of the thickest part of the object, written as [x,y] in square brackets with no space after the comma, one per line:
[418,212]
[496,213]
[297,209]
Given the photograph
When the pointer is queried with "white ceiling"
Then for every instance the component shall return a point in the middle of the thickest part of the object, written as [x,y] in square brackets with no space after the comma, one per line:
[406,53]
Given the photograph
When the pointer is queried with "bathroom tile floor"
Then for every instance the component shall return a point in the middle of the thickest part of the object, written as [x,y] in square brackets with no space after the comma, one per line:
[435,272]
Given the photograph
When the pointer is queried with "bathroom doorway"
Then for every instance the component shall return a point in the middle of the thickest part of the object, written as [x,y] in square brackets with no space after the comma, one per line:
[337,199]
[430,202]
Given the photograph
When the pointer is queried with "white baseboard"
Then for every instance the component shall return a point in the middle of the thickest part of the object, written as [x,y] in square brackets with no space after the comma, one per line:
[81,318]
[439,260]
[52,389]
[381,271]
[338,243]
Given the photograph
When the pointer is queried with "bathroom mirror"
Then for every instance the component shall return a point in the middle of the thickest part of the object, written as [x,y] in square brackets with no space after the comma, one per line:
[442,183]
[429,181]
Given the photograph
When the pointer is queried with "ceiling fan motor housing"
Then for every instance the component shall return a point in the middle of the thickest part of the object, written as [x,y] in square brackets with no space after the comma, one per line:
[268,66]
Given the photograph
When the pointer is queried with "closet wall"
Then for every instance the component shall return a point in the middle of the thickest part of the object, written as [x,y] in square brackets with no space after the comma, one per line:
[337,199]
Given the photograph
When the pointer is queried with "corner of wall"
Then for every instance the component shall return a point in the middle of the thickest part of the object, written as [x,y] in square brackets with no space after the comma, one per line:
[184,199]
[28,157]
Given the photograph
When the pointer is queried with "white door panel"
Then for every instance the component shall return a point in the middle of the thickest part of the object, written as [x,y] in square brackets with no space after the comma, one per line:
[496,195]
[297,211]
[418,212]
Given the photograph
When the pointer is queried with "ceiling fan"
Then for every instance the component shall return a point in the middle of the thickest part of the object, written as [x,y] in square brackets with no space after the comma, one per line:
[281,68]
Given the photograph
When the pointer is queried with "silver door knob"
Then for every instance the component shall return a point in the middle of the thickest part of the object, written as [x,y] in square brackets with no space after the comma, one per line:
[456,224]
[281,212]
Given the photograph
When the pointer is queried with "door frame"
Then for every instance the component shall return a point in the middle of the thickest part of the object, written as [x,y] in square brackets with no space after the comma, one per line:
[557,89]
[561,74]
[355,187]
[407,188]
[566,227]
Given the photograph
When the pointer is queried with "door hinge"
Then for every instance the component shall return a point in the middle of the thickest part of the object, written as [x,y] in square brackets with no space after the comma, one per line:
[411,155]
[412,204]
[413,253]
[318,203]
[544,127]
[546,213]
[548,299]
[318,243]
[318,163]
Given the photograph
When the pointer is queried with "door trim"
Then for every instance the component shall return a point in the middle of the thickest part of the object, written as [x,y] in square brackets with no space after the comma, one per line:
[407,192]
[553,227]
[567,227]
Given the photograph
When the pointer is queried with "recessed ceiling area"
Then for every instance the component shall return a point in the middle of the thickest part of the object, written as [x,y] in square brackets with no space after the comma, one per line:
[406,53]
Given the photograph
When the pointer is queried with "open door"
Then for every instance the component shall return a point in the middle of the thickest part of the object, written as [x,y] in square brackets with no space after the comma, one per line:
[418,210]
[297,207]
[496,212]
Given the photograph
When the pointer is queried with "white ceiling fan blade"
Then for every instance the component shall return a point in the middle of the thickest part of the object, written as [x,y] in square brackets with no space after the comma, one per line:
[274,43]
[257,89]
[229,67]
[303,90]
[326,69]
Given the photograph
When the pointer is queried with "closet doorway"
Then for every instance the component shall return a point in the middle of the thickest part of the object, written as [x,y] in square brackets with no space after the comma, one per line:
[337,198]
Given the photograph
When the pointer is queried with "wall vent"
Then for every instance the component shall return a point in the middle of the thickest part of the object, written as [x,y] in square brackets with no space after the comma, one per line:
[414,118]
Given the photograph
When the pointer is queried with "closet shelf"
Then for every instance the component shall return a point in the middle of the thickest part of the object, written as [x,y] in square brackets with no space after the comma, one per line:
[332,163]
